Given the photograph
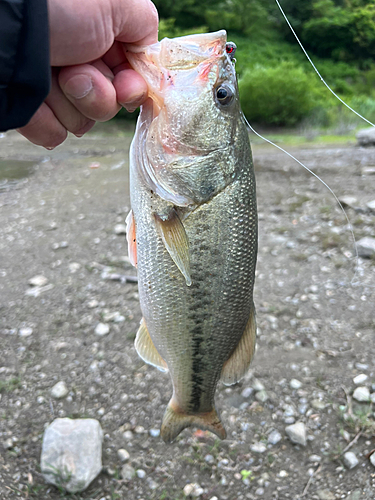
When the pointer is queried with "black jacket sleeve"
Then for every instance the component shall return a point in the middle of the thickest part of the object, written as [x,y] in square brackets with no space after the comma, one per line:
[24,60]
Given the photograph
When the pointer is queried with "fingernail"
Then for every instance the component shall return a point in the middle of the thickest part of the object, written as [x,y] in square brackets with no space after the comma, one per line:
[134,102]
[78,86]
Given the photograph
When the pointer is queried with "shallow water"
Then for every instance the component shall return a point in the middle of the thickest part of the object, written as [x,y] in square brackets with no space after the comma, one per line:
[13,172]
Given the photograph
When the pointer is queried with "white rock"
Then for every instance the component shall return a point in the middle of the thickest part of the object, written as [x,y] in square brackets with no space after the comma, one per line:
[350,460]
[25,332]
[154,433]
[101,329]
[74,267]
[361,394]
[372,459]
[59,390]
[38,280]
[274,437]
[371,205]
[366,247]
[141,473]
[127,472]
[258,448]
[120,229]
[257,385]
[261,396]
[360,379]
[123,455]
[193,490]
[8,444]
[366,137]
[247,392]
[72,453]
[315,458]
[372,397]
[297,433]
[348,201]
[295,384]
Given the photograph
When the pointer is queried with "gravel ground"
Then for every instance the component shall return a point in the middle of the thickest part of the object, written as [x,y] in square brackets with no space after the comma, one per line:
[69,313]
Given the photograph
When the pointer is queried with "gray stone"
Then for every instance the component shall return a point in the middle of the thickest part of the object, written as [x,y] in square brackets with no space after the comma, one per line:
[366,247]
[257,385]
[362,394]
[368,171]
[193,490]
[154,433]
[72,453]
[366,137]
[38,280]
[25,332]
[371,205]
[348,201]
[101,329]
[258,448]
[325,495]
[59,390]
[247,392]
[295,384]
[372,459]
[8,444]
[141,473]
[120,229]
[127,472]
[355,495]
[360,379]
[315,458]
[261,396]
[350,460]
[297,433]
[274,437]
[123,455]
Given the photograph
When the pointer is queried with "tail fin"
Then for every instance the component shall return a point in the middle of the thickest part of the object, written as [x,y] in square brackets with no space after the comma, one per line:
[175,421]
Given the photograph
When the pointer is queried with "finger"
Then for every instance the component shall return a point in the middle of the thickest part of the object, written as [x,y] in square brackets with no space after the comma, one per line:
[137,22]
[90,91]
[130,87]
[44,129]
[67,114]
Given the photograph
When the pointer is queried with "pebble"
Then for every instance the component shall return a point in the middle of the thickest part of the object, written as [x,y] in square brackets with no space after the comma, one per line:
[350,460]
[154,433]
[38,280]
[257,385]
[297,433]
[120,229]
[371,205]
[59,390]
[193,490]
[101,329]
[141,473]
[361,394]
[247,392]
[261,396]
[209,458]
[274,437]
[127,472]
[123,455]
[355,495]
[259,491]
[74,267]
[372,459]
[258,448]
[372,397]
[325,495]
[315,458]
[8,444]
[128,435]
[25,332]
[295,384]
[348,201]
[366,247]
[72,453]
[360,379]
[318,404]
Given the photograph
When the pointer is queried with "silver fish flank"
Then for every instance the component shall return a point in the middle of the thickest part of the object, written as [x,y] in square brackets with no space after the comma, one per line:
[192,230]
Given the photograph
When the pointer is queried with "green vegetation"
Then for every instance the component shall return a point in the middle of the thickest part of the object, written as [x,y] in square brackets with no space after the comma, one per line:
[277,84]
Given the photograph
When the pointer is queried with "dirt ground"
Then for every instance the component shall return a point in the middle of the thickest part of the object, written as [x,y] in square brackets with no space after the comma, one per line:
[58,213]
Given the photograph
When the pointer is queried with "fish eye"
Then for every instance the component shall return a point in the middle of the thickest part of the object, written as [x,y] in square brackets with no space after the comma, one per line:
[224,95]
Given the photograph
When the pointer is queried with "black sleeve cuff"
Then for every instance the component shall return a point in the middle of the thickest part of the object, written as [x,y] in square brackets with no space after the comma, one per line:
[24,60]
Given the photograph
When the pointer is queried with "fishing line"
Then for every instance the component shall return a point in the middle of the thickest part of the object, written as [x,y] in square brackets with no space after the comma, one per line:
[316,70]
[329,189]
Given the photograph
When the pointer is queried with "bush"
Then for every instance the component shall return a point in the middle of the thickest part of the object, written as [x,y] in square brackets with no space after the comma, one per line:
[279,95]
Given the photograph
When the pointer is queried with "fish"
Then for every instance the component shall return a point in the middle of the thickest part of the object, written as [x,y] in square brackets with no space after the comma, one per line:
[192,229]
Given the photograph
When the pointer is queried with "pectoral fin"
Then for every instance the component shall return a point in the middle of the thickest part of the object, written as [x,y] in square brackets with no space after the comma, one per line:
[147,350]
[238,364]
[131,237]
[176,242]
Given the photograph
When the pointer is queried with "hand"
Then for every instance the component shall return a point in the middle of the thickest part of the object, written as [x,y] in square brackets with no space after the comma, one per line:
[91,77]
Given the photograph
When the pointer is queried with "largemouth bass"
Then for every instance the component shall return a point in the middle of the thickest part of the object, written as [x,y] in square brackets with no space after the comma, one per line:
[192,230]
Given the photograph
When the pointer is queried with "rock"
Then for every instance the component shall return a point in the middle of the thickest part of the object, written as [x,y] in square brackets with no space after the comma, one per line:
[350,460]
[348,201]
[74,267]
[360,379]
[8,444]
[154,433]
[297,433]
[361,394]
[261,396]
[38,280]
[193,490]
[25,332]
[368,171]
[257,385]
[59,390]
[366,137]
[101,329]
[325,495]
[372,397]
[315,458]
[247,392]
[295,384]
[366,247]
[318,404]
[127,472]
[72,453]
[274,437]
[355,495]
[258,448]
[120,229]
[141,473]
[123,455]
[372,459]
[371,205]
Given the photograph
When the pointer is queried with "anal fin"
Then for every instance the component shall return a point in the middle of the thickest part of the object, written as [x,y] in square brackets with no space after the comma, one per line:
[238,363]
[175,421]
[176,242]
[131,237]
[147,350]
